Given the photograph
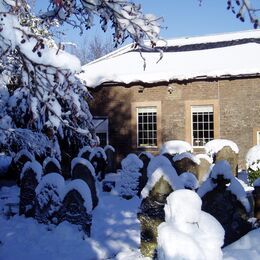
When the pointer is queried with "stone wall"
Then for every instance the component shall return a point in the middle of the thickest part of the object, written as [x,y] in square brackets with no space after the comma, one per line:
[236,101]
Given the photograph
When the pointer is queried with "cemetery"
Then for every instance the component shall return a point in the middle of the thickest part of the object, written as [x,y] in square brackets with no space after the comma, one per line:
[148,151]
[173,197]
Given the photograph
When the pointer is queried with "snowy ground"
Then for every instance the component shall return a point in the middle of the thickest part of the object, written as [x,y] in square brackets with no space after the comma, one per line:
[115,234]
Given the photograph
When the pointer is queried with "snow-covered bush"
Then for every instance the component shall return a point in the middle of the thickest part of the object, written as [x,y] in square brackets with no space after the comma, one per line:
[130,174]
[48,196]
[188,232]
[253,163]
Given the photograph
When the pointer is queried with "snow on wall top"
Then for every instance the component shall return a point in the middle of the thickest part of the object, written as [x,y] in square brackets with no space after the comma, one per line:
[202,57]
[175,147]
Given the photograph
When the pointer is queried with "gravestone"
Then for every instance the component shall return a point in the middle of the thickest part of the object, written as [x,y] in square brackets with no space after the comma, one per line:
[228,154]
[48,198]
[98,159]
[51,165]
[83,169]
[85,152]
[111,159]
[30,177]
[74,208]
[203,167]
[18,162]
[186,162]
[145,158]
[227,209]
[151,215]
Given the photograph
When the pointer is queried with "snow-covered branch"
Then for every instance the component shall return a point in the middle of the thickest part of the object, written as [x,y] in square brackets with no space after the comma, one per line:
[126,18]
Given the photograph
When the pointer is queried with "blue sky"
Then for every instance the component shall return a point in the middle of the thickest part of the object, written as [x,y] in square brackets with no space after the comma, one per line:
[181,17]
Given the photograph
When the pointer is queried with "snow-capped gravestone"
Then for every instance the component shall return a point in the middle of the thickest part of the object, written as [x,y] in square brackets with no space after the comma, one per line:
[98,159]
[145,157]
[30,178]
[186,162]
[111,159]
[130,175]
[85,152]
[50,165]
[48,198]
[256,196]
[224,198]
[204,167]
[188,232]
[19,161]
[77,205]
[84,170]
[162,180]
[222,149]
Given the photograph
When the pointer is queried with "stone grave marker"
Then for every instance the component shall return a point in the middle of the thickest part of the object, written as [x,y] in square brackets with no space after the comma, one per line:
[30,178]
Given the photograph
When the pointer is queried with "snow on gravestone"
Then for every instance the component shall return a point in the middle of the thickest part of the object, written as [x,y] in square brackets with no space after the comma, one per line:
[48,198]
[224,198]
[30,178]
[50,165]
[188,232]
[111,159]
[85,152]
[84,170]
[189,181]
[186,162]
[222,149]
[77,205]
[130,175]
[98,159]
[19,161]
[145,157]
[162,180]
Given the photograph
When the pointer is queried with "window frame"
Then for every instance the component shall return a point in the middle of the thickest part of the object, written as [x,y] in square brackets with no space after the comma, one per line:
[188,118]
[256,136]
[102,127]
[138,113]
[134,123]
[199,109]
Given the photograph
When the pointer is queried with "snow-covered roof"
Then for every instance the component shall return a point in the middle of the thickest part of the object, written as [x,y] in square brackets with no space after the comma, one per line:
[214,56]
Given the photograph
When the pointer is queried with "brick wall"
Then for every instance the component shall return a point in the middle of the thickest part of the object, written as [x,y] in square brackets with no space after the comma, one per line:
[239,110]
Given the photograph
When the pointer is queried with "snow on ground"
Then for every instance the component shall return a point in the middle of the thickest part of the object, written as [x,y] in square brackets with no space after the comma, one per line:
[245,248]
[115,234]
